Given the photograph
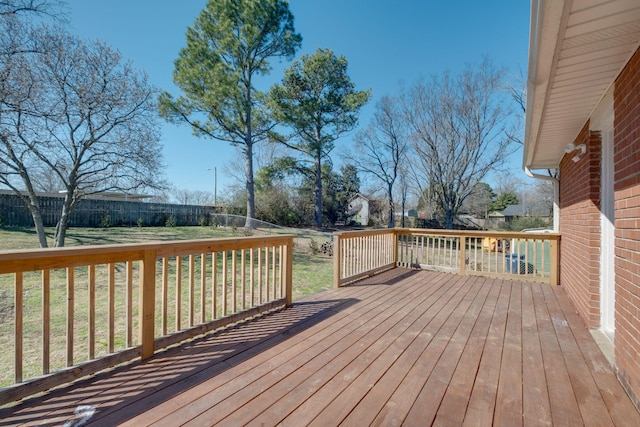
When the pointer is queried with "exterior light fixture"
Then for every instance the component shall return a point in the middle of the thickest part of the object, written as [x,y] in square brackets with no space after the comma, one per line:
[571,148]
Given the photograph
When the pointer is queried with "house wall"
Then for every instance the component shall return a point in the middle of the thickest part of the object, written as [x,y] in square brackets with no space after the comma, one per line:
[580,227]
[627,223]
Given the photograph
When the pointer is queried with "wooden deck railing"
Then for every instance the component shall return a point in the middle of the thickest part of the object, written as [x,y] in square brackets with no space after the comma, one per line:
[525,256]
[358,254]
[70,312]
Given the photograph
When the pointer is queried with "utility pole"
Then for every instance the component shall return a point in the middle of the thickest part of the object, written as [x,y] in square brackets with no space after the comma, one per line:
[215,185]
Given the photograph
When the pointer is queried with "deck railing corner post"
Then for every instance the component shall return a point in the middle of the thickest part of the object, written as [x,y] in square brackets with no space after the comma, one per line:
[395,246]
[554,262]
[289,272]
[463,255]
[337,260]
[147,291]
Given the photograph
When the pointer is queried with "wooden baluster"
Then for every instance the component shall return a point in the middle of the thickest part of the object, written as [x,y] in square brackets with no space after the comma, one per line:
[111,306]
[92,311]
[178,307]
[46,320]
[234,274]
[251,278]
[18,325]
[260,300]
[203,287]
[192,289]
[214,284]
[165,294]
[70,314]
[273,271]
[129,304]
[224,283]
[243,262]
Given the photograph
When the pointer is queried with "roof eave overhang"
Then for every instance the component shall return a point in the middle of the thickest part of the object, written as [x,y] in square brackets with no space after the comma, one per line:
[577,49]
[548,19]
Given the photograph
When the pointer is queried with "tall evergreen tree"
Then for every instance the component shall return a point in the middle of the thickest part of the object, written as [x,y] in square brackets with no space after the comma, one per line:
[318,101]
[230,43]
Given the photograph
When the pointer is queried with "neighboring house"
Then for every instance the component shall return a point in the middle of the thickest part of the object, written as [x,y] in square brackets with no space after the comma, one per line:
[583,118]
[512,212]
[506,216]
[359,209]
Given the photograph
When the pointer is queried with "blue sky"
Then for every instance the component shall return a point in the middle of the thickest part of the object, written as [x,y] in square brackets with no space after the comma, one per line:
[385,42]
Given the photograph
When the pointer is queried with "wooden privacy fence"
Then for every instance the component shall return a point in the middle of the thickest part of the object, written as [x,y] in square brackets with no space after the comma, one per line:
[522,256]
[70,312]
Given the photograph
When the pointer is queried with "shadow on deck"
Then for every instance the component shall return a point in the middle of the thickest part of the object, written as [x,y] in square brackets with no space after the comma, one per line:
[428,347]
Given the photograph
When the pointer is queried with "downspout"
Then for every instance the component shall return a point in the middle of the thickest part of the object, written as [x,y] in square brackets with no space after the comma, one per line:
[556,196]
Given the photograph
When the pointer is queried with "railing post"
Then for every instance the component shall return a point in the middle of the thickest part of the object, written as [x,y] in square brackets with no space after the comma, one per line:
[146,311]
[288,274]
[553,260]
[337,260]
[463,255]
[394,240]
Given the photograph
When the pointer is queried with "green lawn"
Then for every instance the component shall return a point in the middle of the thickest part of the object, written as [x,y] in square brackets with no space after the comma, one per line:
[311,272]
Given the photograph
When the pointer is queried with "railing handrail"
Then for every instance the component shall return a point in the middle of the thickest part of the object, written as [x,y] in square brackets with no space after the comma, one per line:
[443,232]
[23,260]
[482,233]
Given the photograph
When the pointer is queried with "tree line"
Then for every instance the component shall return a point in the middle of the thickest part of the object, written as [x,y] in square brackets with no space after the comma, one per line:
[76,112]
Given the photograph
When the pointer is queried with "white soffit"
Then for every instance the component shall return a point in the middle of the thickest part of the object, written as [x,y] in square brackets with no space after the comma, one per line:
[576,50]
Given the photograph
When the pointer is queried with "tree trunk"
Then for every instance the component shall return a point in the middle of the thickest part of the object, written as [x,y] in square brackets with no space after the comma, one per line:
[392,219]
[448,218]
[63,222]
[37,221]
[251,200]
[34,208]
[318,192]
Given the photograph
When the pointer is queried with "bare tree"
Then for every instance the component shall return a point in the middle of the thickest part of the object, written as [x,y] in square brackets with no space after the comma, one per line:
[380,149]
[50,8]
[460,132]
[78,111]
[192,197]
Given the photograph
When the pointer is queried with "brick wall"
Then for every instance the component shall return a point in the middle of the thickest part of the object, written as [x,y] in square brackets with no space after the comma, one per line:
[580,227]
[627,222]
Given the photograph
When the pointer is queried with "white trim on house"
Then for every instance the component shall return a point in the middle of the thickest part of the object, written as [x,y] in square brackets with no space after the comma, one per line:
[577,49]
[602,121]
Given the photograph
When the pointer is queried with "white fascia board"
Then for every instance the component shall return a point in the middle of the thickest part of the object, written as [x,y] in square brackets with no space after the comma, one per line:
[547,27]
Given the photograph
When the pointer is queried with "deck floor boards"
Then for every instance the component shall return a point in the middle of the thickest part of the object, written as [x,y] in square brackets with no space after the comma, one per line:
[400,348]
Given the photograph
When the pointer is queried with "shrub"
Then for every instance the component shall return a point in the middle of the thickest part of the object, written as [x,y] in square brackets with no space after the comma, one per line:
[105,221]
[313,245]
[170,222]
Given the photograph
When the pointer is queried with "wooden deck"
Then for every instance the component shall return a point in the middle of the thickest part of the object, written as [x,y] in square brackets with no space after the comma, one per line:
[405,347]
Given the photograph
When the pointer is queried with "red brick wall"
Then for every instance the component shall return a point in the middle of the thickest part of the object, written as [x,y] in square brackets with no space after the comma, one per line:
[580,227]
[627,221]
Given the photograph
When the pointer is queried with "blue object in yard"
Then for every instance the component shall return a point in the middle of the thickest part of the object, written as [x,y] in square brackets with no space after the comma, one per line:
[515,264]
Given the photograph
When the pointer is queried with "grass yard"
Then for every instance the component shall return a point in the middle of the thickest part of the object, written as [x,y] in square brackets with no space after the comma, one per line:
[312,272]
